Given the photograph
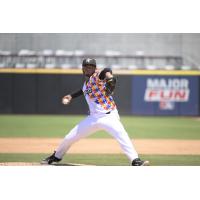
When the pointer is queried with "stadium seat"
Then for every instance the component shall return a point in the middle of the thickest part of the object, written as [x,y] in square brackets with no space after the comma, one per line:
[49,65]
[169,67]
[79,52]
[5,59]
[112,53]
[186,67]
[47,52]
[31,65]
[48,61]
[65,66]
[151,67]
[26,58]
[5,53]
[61,52]
[132,67]
[139,53]
[26,52]
[63,58]
[2,65]
[116,66]
[19,65]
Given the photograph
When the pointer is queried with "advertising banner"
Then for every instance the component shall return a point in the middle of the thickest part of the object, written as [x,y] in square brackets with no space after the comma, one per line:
[165,95]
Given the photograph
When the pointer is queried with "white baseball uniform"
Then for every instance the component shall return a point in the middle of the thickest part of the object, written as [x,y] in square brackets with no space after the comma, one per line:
[103,116]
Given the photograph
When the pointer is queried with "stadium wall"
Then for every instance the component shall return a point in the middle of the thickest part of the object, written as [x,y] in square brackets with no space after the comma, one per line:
[38,91]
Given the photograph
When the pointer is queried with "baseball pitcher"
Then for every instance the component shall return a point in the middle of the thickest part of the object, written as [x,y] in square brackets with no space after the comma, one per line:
[103,115]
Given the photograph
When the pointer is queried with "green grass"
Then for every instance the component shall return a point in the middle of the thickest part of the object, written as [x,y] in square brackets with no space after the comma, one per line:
[108,160]
[137,127]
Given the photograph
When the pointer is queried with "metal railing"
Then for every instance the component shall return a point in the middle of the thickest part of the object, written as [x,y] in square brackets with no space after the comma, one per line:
[38,60]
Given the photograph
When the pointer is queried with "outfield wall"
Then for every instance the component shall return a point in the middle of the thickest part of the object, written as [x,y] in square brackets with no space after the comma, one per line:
[39,91]
[165,95]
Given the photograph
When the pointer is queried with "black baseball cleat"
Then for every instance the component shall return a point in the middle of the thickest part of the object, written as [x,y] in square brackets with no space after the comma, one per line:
[139,162]
[49,160]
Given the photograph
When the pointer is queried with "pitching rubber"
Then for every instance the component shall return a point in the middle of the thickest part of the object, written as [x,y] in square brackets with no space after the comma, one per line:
[63,164]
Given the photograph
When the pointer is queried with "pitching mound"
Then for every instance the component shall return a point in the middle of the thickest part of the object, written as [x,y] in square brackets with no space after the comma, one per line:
[38,164]
[19,164]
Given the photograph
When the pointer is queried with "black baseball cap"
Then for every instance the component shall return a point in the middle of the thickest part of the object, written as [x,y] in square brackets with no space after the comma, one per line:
[89,61]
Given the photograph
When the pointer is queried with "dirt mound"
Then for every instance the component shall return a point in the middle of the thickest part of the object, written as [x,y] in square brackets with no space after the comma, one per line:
[19,164]
[38,164]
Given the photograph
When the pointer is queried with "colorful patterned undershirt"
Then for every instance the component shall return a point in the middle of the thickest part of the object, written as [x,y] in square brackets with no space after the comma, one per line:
[95,89]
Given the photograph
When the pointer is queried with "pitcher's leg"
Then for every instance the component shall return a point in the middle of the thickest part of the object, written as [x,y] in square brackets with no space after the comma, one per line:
[83,129]
[113,126]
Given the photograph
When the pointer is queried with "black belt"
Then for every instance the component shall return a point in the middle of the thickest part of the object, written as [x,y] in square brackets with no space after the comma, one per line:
[108,112]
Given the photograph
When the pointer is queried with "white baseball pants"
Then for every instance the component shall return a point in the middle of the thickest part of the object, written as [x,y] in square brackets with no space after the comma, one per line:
[108,122]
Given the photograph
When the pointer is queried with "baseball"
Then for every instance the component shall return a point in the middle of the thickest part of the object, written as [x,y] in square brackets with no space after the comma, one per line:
[65,101]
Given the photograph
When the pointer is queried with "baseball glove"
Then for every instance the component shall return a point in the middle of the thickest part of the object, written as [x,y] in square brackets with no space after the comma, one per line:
[110,85]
